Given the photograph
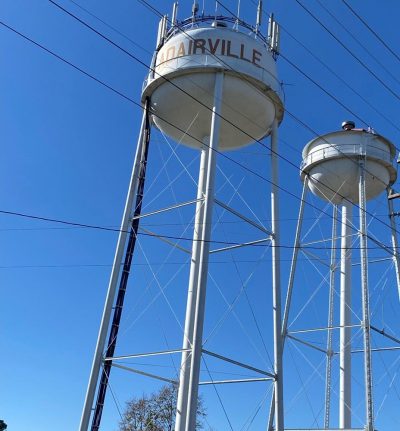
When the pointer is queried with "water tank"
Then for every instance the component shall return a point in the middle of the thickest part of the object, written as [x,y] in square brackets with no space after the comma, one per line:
[182,85]
[331,162]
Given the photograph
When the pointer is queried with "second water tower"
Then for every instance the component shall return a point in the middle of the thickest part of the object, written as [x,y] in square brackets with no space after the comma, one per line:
[346,169]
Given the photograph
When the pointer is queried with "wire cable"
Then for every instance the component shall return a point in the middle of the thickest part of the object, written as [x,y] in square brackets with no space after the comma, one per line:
[397,96]
[358,42]
[201,103]
[217,151]
[371,30]
[336,75]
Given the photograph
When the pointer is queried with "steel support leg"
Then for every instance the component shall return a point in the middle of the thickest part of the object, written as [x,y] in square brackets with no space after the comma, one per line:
[181,409]
[328,372]
[395,244]
[345,317]
[365,301]
[276,281]
[112,286]
[296,249]
[201,266]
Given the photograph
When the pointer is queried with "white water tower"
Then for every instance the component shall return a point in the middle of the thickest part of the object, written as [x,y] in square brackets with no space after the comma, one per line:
[212,86]
[345,168]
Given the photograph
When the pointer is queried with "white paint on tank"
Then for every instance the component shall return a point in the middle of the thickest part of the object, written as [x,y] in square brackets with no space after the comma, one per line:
[189,62]
[331,162]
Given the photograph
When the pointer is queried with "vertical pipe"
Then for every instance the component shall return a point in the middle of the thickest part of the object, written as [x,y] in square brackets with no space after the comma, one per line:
[395,244]
[276,281]
[345,317]
[112,286]
[365,300]
[329,354]
[203,258]
[181,407]
[296,249]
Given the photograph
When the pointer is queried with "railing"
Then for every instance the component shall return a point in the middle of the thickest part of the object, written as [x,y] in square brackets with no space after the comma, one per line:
[206,20]
[347,151]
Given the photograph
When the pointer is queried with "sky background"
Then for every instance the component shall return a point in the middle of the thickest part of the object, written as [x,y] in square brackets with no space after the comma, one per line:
[67,150]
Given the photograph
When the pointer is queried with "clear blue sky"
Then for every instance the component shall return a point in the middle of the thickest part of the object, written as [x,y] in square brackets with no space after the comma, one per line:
[67,148]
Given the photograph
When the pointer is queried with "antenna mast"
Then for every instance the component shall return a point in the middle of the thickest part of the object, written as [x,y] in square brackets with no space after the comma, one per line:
[259,16]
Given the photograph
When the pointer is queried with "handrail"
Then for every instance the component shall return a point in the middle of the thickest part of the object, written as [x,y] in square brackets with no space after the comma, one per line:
[205,20]
[346,150]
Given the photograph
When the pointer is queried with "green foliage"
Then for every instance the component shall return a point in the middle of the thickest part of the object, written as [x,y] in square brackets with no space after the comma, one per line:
[3,425]
[155,412]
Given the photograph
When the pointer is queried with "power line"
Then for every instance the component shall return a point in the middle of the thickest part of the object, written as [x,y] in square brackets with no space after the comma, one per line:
[348,50]
[289,113]
[145,264]
[357,40]
[372,30]
[296,118]
[219,152]
[323,89]
[158,13]
[111,27]
[343,81]
[156,235]
[140,106]
[226,222]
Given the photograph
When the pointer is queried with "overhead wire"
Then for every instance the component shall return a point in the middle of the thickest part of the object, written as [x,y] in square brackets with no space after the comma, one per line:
[218,395]
[191,96]
[344,82]
[158,13]
[362,63]
[155,235]
[358,41]
[371,30]
[139,105]
[336,75]
[134,57]
[289,113]
[138,45]
[131,100]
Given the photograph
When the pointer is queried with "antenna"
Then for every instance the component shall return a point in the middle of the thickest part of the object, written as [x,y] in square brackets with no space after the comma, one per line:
[259,16]
[174,13]
[270,21]
[273,35]
[195,9]
[159,32]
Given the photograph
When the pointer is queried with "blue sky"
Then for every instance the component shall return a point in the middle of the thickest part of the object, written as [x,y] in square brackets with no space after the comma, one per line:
[68,145]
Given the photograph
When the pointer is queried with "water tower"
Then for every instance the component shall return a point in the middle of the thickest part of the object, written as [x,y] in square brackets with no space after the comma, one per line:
[212,86]
[346,169]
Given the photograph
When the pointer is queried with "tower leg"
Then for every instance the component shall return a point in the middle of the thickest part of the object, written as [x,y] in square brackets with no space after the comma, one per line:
[181,408]
[345,317]
[276,281]
[329,355]
[296,249]
[365,301]
[199,269]
[112,286]
[396,257]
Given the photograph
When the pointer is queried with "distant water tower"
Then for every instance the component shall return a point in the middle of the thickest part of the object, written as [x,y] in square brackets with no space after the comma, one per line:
[212,86]
[346,168]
